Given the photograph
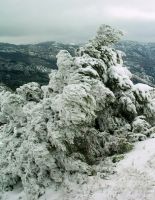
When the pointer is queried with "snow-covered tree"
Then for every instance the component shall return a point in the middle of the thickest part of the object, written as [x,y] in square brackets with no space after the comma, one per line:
[89,110]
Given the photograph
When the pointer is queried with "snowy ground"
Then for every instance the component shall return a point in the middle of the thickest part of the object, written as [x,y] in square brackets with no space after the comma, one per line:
[134,180]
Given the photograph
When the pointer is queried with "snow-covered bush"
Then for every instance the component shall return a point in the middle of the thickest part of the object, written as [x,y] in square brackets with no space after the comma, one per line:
[30,92]
[89,110]
[106,35]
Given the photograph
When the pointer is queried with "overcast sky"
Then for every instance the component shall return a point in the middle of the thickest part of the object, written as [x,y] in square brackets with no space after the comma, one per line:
[32,21]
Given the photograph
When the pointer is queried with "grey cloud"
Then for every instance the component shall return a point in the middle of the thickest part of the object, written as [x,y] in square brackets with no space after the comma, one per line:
[25,21]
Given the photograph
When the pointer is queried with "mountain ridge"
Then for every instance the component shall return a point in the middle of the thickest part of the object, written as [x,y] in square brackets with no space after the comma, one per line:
[20,64]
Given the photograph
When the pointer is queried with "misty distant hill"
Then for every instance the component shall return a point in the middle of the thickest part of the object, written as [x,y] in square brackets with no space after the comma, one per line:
[140,58]
[20,64]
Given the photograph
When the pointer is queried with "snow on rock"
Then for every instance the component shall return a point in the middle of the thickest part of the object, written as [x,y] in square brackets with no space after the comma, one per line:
[56,134]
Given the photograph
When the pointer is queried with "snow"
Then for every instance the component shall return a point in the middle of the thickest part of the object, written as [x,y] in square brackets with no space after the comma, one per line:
[143,87]
[135,177]
[121,71]
[122,75]
[90,71]
[142,91]
[134,180]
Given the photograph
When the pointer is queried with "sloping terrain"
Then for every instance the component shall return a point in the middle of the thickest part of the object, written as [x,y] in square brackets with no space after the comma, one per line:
[20,64]
[140,58]
[134,178]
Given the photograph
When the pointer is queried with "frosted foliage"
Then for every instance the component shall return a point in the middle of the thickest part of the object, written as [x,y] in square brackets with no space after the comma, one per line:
[142,91]
[77,105]
[60,78]
[121,76]
[140,125]
[102,95]
[30,92]
[127,105]
[111,56]
[89,110]
[64,61]
[106,35]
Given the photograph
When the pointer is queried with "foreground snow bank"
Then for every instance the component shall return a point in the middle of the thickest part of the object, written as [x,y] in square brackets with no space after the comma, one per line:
[135,177]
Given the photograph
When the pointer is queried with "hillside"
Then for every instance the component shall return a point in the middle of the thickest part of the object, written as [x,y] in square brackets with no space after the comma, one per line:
[140,58]
[20,64]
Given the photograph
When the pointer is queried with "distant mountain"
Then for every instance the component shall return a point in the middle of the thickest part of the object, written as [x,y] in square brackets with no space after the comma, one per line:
[140,59]
[21,64]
